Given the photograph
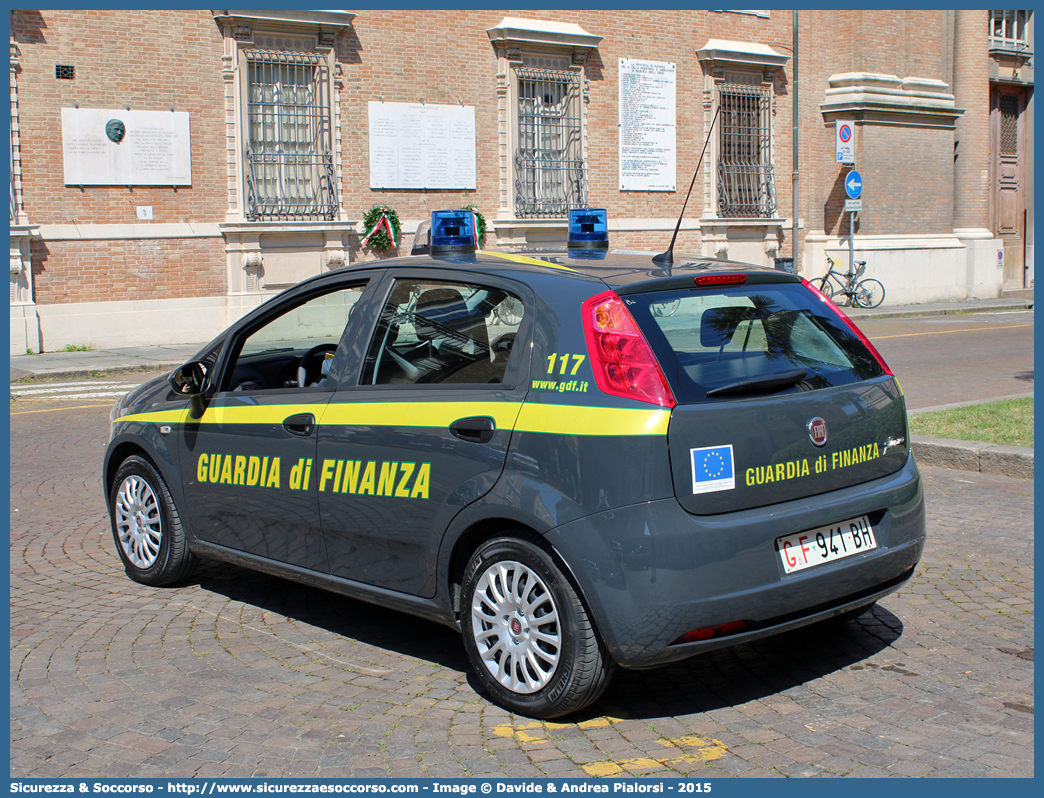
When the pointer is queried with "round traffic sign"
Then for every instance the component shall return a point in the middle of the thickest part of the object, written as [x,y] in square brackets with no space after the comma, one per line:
[853,184]
[845,133]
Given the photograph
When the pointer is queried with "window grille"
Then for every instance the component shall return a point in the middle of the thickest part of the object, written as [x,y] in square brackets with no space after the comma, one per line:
[745,175]
[1009,124]
[289,157]
[1008,29]
[550,174]
[64,72]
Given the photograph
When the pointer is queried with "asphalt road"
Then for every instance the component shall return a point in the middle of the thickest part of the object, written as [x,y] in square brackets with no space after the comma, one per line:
[236,674]
[959,358]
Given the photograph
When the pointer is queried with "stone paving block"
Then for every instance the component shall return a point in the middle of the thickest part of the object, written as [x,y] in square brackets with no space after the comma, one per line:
[205,668]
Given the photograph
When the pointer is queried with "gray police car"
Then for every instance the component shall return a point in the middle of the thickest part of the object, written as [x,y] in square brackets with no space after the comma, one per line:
[580,460]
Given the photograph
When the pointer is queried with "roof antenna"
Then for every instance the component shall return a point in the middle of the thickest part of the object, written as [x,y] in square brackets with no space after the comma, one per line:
[668,256]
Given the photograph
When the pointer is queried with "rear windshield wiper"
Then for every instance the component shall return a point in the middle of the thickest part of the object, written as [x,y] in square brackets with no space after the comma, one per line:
[766,384]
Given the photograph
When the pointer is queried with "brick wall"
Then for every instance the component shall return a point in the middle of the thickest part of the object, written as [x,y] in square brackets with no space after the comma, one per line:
[153,60]
[395,54]
[907,171]
[149,60]
[113,271]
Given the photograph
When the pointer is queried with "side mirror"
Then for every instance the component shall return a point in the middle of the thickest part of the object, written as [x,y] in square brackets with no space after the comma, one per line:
[192,379]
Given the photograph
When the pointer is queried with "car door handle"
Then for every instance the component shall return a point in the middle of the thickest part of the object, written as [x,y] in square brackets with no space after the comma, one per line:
[475,429]
[302,424]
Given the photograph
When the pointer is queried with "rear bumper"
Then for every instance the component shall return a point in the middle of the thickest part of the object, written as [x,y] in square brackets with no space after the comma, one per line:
[652,572]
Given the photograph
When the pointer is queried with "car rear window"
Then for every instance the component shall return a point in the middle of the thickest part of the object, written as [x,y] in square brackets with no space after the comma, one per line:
[730,342]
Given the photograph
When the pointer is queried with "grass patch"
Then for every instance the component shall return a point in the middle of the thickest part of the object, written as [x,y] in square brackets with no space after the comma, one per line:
[1009,422]
[75,348]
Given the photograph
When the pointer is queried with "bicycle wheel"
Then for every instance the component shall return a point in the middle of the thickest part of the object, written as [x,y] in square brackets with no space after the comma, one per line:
[825,287]
[868,294]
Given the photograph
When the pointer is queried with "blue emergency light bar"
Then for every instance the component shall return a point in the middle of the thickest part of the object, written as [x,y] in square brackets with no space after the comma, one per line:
[587,254]
[588,228]
[452,232]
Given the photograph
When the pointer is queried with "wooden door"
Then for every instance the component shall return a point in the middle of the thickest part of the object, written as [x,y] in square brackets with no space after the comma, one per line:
[1007,197]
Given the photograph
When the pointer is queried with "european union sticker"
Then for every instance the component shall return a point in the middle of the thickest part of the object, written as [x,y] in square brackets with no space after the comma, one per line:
[712,469]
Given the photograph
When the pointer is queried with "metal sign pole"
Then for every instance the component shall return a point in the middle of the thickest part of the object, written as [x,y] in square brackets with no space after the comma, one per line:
[851,244]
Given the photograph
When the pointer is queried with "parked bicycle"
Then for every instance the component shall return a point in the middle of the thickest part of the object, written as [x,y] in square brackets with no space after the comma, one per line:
[867,293]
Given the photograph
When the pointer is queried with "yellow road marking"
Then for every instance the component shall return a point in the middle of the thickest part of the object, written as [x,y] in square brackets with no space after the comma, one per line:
[55,409]
[705,751]
[689,750]
[522,733]
[944,332]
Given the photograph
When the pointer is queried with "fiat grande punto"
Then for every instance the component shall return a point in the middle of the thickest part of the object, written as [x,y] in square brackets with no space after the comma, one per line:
[581,460]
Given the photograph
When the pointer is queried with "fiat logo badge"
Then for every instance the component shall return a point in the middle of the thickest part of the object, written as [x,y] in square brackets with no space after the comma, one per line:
[516,627]
[817,431]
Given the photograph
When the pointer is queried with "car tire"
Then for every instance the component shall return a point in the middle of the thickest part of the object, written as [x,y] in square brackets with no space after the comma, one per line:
[535,667]
[146,526]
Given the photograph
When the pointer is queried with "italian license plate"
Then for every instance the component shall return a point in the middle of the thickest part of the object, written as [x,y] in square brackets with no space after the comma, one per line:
[825,544]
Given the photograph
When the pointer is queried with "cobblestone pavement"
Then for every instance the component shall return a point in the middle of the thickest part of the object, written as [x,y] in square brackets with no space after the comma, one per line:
[237,674]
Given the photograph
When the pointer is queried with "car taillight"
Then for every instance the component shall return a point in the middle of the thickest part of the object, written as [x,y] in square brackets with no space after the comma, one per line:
[850,324]
[621,359]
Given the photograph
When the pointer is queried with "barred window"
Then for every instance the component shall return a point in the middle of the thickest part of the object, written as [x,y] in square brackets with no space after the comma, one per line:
[1008,29]
[745,175]
[550,174]
[289,156]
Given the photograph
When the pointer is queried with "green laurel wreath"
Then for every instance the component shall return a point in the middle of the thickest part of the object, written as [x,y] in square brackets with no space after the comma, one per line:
[380,241]
[481,222]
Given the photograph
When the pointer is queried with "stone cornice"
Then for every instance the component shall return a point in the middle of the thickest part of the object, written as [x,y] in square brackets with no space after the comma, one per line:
[515,32]
[333,22]
[887,99]
[720,52]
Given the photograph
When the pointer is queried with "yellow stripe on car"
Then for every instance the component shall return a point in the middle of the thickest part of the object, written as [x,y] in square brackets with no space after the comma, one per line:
[417,414]
[586,420]
[528,417]
[157,417]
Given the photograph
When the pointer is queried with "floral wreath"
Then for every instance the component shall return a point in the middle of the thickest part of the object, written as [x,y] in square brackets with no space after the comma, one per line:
[382,228]
[480,222]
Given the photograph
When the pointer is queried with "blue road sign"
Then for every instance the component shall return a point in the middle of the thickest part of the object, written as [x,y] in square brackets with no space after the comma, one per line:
[854,184]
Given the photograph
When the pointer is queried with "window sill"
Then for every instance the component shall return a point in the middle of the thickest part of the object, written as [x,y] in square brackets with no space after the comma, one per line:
[287,227]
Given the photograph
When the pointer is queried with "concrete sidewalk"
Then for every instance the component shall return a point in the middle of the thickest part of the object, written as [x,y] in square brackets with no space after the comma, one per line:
[987,458]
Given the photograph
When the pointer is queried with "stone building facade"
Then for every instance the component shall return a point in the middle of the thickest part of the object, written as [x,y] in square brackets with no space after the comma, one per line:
[279,108]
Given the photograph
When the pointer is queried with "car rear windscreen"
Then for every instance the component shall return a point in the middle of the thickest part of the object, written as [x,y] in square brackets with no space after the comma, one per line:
[730,342]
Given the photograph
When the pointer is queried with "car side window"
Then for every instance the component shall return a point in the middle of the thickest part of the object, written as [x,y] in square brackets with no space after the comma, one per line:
[295,349]
[442,332]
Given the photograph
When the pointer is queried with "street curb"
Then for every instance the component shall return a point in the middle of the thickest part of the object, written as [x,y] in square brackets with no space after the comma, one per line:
[977,456]
[857,314]
[100,372]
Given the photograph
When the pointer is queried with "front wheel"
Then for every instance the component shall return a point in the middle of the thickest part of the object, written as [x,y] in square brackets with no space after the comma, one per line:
[868,294]
[528,634]
[825,287]
[146,526]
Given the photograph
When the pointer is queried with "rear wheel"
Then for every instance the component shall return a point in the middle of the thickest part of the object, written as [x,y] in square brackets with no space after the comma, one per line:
[146,526]
[528,634]
[868,294]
